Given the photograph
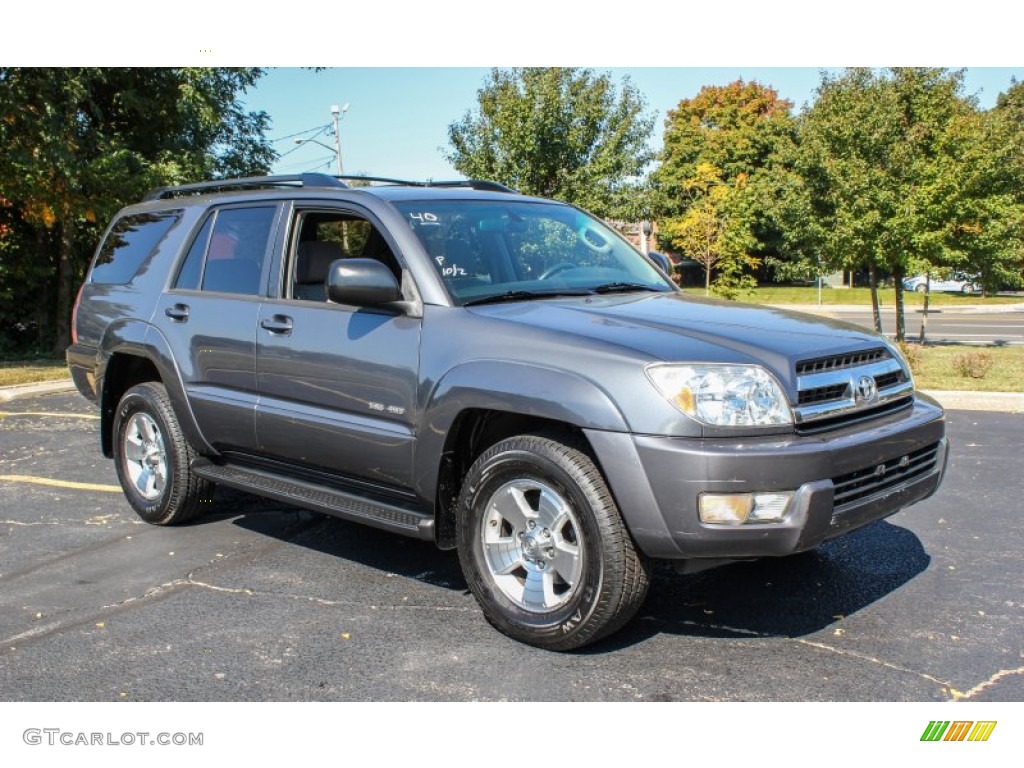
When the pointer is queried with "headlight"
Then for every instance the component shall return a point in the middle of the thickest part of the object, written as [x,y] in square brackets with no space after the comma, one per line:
[723,395]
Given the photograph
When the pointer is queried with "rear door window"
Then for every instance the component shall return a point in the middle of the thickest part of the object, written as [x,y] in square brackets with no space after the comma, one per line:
[234,243]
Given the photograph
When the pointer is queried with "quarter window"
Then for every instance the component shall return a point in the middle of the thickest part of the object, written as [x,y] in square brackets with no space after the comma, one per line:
[129,244]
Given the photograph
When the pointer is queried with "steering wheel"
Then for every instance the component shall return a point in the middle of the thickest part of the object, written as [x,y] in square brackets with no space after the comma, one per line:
[554,269]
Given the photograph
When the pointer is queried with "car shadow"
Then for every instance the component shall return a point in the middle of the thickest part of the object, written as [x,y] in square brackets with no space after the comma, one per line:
[374,548]
[773,597]
[778,597]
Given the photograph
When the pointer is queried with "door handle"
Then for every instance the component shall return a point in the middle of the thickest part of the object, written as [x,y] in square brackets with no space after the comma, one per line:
[178,313]
[277,324]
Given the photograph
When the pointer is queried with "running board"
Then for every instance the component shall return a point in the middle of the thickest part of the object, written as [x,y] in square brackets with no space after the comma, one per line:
[330,501]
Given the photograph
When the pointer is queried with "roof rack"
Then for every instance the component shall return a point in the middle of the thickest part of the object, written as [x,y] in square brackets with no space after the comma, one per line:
[382,180]
[481,184]
[302,179]
[313,180]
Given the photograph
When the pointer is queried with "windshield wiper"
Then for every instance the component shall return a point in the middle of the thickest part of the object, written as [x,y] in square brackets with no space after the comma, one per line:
[623,287]
[522,296]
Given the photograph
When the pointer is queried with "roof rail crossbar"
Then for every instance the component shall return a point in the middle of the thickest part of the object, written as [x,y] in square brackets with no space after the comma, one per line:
[382,180]
[482,184]
[303,179]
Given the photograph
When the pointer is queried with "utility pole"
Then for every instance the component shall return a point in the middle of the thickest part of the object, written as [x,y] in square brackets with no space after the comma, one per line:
[336,113]
[645,236]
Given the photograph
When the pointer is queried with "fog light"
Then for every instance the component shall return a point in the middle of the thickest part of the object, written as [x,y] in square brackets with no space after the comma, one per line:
[769,507]
[740,508]
[725,508]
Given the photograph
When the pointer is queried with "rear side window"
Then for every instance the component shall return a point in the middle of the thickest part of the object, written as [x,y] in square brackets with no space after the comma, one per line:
[129,243]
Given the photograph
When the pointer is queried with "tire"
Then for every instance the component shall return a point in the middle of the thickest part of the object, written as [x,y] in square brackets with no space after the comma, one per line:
[153,457]
[967,288]
[920,288]
[543,547]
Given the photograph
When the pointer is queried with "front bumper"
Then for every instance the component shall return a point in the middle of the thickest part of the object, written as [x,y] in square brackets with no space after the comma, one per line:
[842,480]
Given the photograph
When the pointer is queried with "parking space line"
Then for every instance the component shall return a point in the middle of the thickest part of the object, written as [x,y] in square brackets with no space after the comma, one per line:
[45,413]
[61,483]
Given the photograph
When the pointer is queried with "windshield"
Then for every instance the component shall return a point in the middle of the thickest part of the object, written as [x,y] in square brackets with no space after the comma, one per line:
[499,250]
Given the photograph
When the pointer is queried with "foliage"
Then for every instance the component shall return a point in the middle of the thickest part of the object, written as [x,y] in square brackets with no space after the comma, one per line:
[935,367]
[973,364]
[31,371]
[993,239]
[912,354]
[716,187]
[564,133]
[79,143]
[882,175]
[706,230]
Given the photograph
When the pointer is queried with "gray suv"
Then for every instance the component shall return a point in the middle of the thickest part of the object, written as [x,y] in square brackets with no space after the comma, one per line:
[499,374]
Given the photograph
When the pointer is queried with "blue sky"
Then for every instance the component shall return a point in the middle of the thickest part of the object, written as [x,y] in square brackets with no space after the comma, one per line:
[420,64]
[396,124]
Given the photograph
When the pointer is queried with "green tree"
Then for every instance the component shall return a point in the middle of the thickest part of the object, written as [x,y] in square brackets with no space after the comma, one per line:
[564,133]
[880,157]
[740,129]
[993,239]
[76,144]
[705,232]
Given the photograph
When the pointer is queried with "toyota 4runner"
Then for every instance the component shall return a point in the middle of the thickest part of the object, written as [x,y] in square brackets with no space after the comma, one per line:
[499,374]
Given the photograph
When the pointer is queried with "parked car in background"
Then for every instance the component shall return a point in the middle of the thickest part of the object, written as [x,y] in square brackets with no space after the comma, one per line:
[955,282]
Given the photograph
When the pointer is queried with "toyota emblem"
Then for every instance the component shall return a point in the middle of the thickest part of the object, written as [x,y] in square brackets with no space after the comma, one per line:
[867,390]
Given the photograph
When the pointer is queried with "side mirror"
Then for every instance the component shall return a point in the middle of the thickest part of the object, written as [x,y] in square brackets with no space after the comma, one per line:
[361,283]
[662,261]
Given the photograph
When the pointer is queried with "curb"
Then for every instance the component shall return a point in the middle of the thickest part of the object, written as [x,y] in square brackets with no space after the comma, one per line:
[41,388]
[1003,402]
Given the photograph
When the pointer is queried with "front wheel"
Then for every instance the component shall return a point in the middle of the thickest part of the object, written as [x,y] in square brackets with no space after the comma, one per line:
[543,546]
[152,457]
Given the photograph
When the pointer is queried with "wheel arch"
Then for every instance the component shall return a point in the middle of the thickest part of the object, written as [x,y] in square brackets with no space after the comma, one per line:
[132,353]
[478,404]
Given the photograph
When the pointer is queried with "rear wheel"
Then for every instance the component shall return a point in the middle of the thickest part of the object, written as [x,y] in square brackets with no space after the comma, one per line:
[543,546]
[153,456]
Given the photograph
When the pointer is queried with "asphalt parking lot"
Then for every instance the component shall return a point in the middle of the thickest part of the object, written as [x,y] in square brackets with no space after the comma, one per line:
[261,602]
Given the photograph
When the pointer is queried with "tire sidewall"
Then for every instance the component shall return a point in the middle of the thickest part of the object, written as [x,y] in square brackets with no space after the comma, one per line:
[140,400]
[561,625]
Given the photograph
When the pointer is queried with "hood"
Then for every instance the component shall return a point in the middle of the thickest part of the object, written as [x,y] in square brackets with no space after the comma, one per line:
[675,327]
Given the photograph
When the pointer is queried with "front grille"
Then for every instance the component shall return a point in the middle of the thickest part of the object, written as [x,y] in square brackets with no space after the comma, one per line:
[888,379]
[887,476]
[838,362]
[849,418]
[823,394]
[843,389]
